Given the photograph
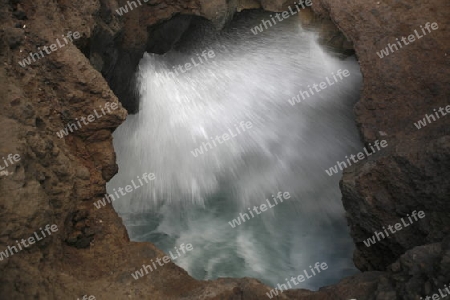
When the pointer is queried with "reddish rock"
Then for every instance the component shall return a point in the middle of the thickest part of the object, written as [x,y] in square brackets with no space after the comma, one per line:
[58,180]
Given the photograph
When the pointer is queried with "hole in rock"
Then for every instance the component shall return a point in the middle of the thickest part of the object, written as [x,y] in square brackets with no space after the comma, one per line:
[247,87]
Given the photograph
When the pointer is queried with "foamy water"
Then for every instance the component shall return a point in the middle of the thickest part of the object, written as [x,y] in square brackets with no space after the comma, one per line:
[287,149]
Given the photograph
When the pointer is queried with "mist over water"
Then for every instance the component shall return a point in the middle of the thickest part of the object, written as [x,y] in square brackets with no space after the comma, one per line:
[288,149]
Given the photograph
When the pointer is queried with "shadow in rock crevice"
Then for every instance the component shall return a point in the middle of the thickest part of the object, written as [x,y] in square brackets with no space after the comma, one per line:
[117,61]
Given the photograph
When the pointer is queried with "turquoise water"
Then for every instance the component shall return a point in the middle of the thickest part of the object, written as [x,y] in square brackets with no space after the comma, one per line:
[250,79]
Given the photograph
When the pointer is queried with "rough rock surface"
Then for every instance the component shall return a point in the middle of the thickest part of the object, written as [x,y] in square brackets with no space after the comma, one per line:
[57,180]
[413,172]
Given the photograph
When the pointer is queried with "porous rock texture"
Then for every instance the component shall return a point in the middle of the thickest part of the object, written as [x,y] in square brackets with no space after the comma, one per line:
[413,172]
[58,179]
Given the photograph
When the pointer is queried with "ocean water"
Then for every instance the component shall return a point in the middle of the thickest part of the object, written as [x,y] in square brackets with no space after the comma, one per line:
[288,147]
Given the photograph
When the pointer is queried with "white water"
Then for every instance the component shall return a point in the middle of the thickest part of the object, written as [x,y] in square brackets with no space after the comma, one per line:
[289,147]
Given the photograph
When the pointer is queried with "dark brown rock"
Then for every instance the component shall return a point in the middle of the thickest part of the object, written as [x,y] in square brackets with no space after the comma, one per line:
[412,174]
[57,180]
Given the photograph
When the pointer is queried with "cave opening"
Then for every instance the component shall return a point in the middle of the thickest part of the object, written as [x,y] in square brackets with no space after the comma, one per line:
[227,121]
